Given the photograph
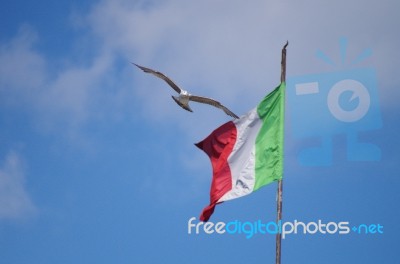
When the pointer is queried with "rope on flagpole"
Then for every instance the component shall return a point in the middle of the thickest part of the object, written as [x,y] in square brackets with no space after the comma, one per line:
[280,185]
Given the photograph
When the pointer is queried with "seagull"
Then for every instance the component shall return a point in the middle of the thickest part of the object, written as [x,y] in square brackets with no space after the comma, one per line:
[184,97]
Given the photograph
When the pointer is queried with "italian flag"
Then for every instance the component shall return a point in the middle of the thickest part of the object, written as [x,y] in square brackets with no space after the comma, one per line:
[246,153]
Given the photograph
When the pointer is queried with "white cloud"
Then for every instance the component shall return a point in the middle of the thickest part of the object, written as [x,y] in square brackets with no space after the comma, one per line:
[228,50]
[22,70]
[15,202]
[71,97]
[61,100]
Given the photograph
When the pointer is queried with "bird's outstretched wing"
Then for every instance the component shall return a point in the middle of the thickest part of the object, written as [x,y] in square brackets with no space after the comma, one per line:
[161,76]
[209,101]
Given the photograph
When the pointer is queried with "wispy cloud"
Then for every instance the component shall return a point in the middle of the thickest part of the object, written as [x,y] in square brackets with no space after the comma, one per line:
[22,70]
[225,50]
[232,51]
[15,202]
[60,101]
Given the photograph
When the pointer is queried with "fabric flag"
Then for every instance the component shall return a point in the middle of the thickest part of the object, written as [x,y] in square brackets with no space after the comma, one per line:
[246,153]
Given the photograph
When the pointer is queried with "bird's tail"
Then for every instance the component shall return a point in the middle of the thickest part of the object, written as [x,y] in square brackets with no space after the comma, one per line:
[184,106]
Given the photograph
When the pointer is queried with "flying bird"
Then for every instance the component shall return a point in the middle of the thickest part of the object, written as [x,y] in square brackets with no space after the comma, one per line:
[184,97]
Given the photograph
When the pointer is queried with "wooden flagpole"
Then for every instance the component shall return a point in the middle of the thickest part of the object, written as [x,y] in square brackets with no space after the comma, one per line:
[280,185]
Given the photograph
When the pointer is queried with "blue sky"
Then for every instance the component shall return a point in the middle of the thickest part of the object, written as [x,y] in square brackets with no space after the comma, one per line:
[97,163]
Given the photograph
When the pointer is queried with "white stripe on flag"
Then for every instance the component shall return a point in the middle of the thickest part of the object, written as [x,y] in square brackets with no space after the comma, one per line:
[242,159]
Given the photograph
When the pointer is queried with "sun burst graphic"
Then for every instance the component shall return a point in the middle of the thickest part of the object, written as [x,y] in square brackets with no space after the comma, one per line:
[343,45]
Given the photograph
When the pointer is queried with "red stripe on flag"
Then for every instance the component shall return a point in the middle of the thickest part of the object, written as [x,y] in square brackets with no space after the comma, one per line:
[218,146]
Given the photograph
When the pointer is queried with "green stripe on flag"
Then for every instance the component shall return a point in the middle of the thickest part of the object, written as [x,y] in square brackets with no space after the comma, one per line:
[269,141]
